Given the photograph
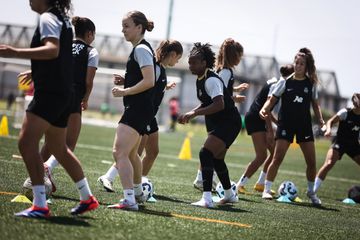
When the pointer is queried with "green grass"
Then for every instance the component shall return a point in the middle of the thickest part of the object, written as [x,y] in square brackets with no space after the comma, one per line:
[173,179]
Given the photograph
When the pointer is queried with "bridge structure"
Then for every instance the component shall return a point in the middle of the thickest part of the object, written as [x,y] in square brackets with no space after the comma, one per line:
[114,51]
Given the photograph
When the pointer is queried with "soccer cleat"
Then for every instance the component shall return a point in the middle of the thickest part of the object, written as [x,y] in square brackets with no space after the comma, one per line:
[125,205]
[140,198]
[259,187]
[49,175]
[34,212]
[241,190]
[267,195]
[314,199]
[106,184]
[232,199]
[85,205]
[198,185]
[203,203]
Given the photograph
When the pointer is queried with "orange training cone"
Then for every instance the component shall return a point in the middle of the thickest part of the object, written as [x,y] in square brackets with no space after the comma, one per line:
[185,152]
[4,126]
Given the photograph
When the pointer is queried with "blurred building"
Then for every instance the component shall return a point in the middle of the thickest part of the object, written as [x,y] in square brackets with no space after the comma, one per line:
[114,51]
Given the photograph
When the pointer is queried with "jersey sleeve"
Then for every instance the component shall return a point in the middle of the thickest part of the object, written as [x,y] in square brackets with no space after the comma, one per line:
[279,88]
[342,113]
[93,60]
[225,75]
[143,56]
[157,72]
[50,26]
[213,87]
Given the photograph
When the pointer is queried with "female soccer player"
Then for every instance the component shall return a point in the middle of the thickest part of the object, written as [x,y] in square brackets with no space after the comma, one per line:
[346,140]
[139,109]
[85,63]
[297,94]
[229,56]
[167,55]
[262,134]
[223,123]
[47,114]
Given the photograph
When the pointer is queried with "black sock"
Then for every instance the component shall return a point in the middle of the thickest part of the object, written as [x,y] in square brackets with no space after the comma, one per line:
[207,168]
[222,173]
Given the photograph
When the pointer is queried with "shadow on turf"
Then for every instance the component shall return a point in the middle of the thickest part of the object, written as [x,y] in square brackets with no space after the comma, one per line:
[165,198]
[310,205]
[70,221]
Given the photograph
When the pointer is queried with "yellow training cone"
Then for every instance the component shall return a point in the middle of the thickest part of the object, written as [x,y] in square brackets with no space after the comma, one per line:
[185,152]
[294,145]
[21,198]
[4,126]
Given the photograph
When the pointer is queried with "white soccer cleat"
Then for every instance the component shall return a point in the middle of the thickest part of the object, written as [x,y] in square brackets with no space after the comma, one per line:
[232,199]
[198,185]
[125,205]
[314,199]
[140,198]
[203,203]
[106,184]
[267,196]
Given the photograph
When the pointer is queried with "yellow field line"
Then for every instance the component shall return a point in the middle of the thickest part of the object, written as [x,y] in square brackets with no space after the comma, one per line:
[9,193]
[211,220]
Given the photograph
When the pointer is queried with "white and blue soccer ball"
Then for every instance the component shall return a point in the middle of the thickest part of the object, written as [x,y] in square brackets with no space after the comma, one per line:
[147,187]
[220,190]
[288,189]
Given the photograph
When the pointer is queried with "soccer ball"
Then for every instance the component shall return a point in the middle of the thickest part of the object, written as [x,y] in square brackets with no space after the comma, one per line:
[220,190]
[27,188]
[354,193]
[147,187]
[288,189]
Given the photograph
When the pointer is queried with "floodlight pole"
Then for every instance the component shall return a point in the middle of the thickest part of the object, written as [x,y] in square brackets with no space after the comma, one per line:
[171,6]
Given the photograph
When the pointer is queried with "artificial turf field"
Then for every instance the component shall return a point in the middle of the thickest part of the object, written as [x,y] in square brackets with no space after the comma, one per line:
[172,216]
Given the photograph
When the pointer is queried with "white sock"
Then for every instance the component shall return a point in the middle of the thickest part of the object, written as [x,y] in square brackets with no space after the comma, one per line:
[199,175]
[129,195]
[228,193]
[214,177]
[242,181]
[268,185]
[261,179]
[207,196]
[84,189]
[39,196]
[317,183]
[52,162]
[111,173]
[138,189]
[310,187]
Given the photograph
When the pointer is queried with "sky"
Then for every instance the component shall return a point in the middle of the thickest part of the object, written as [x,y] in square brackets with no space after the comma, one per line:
[330,29]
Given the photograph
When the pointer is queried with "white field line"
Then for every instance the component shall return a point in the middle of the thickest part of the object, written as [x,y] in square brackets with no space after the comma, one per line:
[235,165]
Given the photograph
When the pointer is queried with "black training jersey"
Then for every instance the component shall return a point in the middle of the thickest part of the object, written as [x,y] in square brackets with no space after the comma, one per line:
[55,75]
[80,52]
[262,96]
[349,126]
[296,97]
[229,81]
[159,89]
[133,76]
[206,100]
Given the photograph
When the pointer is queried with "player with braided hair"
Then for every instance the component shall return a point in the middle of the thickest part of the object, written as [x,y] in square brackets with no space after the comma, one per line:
[223,123]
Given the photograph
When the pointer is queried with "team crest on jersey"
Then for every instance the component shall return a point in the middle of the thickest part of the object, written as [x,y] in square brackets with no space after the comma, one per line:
[200,92]
[283,133]
[148,128]
[306,90]
[355,128]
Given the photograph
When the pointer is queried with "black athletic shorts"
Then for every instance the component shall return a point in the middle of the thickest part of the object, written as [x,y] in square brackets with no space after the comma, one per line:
[138,117]
[55,109]
[254,123]
[226,128]
[76,105]
[351,149]
[303,132]
[152,127]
